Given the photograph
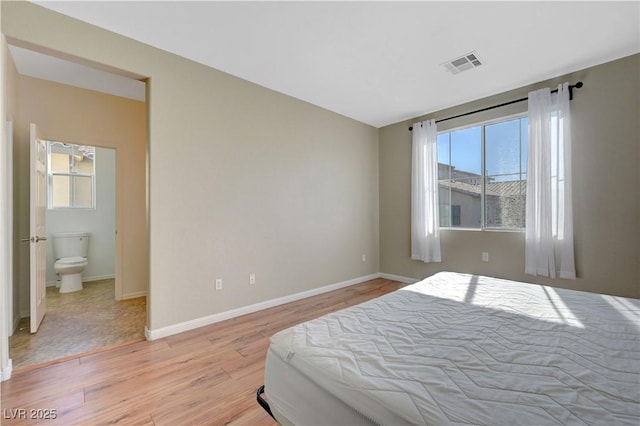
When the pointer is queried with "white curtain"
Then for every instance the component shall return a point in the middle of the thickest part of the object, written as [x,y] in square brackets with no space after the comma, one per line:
[549,221]
[425,234]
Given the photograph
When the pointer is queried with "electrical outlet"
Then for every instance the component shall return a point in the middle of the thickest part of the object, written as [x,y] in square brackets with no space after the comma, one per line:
[252,279]
[218,284]
[364,257]
[485,256]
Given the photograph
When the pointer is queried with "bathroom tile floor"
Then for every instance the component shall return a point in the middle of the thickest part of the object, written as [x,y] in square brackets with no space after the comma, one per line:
[79,322]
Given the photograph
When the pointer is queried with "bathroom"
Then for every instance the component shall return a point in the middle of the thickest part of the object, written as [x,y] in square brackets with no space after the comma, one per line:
[103,118]
[87,208]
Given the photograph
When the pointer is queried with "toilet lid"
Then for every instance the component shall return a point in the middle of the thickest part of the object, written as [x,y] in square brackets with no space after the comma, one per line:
[71,260]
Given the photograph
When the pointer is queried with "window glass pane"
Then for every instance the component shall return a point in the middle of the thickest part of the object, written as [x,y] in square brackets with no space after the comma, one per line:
[505,190]
[60,191]
[502,149]
[505,202]
[84,165]
[456,214]
[459,157]
[524,141]
[444,190]
[82,197]
[466,153]
[444,201]
[59,162]
[443,155]
[465,203]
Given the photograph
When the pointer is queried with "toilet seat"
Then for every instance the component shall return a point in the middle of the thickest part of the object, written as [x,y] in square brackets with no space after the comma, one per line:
[71,261]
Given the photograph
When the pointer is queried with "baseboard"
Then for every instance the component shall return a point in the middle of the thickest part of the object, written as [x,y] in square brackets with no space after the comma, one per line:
[399,278]
[98,278]
[134,295]
[5,373]
[161,332]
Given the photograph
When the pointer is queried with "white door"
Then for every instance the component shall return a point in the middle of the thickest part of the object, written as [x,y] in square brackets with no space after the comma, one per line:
[38,205]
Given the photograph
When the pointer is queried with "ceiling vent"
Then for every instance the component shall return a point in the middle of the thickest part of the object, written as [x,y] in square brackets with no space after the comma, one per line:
[463,63]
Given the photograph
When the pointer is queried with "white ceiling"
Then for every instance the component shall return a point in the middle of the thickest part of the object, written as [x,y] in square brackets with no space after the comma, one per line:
[378,62]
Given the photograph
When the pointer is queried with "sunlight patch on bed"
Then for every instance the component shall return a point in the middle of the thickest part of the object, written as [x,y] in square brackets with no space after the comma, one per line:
[530,300]
[625,308]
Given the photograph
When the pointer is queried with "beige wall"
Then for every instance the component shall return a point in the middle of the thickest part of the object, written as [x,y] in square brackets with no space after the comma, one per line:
[606,141]
[242,179]
[69,114]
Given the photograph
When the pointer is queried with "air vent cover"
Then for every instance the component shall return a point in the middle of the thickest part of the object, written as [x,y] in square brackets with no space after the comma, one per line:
[463,63]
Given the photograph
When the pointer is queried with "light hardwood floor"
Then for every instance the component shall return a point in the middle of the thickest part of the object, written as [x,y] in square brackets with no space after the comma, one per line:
[206,376]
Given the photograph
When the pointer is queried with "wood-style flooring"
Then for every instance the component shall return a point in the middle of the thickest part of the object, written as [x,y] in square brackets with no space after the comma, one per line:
[79,322]
[206,376]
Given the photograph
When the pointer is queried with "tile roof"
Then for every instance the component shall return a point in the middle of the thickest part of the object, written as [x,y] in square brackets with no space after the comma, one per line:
[509,188]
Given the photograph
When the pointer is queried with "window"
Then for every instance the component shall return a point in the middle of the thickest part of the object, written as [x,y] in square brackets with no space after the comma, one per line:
[71,176]
[482,175]
[455,215]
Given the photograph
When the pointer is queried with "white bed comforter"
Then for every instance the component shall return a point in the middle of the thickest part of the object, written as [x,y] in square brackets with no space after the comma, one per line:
[465,349]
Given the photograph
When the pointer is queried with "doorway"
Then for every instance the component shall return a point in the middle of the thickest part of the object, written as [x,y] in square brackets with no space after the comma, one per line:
[65,112]
[81,199]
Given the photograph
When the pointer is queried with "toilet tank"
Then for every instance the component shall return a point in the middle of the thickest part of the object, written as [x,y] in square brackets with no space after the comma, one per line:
[70,244]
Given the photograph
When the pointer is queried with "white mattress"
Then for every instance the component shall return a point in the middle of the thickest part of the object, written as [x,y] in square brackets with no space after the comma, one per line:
[462,349]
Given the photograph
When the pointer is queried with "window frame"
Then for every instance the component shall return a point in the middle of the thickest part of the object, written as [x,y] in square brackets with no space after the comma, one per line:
[483,124]
[51,174]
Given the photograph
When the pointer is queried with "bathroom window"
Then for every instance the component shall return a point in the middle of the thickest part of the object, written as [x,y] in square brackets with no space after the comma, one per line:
[71,176]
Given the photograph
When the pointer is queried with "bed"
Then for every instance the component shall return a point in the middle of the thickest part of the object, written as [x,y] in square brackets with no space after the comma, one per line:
[461,349]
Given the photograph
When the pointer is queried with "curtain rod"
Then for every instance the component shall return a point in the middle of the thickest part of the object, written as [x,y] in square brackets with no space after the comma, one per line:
[571,87]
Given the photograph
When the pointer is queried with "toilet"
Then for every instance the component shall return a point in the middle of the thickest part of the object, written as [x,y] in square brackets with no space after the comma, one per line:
[70,251]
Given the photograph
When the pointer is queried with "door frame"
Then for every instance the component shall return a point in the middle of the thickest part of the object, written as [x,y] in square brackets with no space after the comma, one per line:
[6,304]
[6,235]
[7,227]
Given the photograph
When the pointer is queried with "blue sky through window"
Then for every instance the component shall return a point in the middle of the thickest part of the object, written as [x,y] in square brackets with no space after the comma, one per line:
[505,149]
[466,149]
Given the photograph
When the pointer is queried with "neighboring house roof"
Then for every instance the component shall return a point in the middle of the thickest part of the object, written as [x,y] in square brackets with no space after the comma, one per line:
[510,188]
[464,187]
